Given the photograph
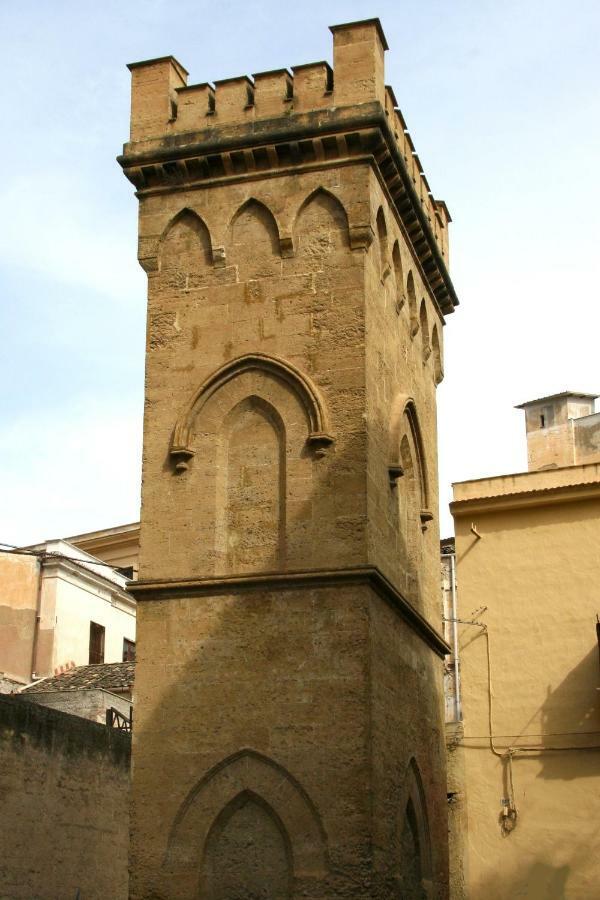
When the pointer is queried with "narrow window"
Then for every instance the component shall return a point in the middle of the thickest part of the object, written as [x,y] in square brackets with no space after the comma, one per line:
[128,650]
[542,420]
[96,643]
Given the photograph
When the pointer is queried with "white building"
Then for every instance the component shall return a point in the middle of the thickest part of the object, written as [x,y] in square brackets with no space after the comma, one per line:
[59,608]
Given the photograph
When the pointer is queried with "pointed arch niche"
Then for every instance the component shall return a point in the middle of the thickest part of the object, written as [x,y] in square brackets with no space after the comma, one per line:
[184,247]
[254,430]
[254,240]
[414,864]
[412,304]
[210,853]
[408,477]
[320,230]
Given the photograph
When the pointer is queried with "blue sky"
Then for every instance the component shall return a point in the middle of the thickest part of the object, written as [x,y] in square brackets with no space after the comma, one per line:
[503,103]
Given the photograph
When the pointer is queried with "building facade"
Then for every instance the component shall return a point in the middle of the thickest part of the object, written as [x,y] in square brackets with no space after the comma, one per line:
[289,677]
[525,759]
[60,608]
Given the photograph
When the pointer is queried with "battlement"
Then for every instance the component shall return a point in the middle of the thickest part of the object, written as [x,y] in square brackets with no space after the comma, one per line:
[307,114]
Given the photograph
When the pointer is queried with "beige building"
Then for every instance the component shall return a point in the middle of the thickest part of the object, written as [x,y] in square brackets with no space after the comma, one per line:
[289,678]
[60,607]
[525,777]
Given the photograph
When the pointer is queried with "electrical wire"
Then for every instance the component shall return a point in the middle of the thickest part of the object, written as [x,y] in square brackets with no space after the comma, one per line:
[44,554]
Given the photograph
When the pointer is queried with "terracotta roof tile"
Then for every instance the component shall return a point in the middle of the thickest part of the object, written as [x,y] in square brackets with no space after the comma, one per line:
[107,676]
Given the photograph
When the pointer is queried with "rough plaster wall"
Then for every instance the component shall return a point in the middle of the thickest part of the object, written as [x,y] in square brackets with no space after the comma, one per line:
[64,784]
[535,569]
[18,604]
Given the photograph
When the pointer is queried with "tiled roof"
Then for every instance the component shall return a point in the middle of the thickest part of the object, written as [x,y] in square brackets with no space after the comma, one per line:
[107,676]
[447,545]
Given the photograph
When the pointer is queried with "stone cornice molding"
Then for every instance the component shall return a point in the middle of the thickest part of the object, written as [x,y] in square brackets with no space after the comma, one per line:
[319,436]
[308,579]
[293,143]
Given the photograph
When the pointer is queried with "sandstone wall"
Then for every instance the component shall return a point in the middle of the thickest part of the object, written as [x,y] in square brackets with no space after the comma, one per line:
[64,783]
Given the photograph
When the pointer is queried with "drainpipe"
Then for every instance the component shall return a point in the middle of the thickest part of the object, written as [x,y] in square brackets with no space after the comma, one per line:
[457,703]
[455,650]
[36,626]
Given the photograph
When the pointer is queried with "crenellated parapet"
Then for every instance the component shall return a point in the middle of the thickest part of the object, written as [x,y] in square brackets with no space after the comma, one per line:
[309,116]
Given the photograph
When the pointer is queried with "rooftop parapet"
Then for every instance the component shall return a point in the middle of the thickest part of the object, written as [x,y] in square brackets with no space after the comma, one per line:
[168,115]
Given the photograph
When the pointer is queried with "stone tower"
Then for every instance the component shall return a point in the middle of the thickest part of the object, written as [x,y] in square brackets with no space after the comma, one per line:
[289,724]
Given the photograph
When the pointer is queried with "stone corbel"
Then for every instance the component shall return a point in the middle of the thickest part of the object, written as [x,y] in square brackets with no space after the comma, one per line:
[218,257]
[426,516]
[286,246]
[181,456]
[395,471]
[361,236]
[319,442]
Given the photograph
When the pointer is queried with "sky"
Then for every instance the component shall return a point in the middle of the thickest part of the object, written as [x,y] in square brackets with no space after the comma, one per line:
[502,100]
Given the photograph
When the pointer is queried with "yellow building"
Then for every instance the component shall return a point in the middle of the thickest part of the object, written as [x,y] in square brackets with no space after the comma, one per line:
[528,570]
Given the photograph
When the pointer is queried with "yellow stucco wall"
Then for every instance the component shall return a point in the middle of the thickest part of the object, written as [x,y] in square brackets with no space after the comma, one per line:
[532,577]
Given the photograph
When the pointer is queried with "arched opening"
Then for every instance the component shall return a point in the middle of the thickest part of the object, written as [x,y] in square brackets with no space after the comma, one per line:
[250,489]
[412,304]
[382,240]
[185,247]
[397,263]
[247,854]
[424,326]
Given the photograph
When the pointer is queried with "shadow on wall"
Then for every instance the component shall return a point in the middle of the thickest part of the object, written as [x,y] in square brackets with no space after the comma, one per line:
[574,706]
[539,882]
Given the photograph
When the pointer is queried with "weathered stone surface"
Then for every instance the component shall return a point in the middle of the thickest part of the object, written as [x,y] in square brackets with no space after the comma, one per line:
[288,738]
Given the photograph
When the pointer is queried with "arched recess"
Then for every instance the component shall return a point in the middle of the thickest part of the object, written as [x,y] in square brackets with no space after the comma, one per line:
[382,241]
[319,436]
[404,421]
[438,368]
[397,263]
[250,526]
[247,851]
[414,839]
[412,304]
[320,229]
[254,240]
[424,326]
[245,776]
[185,244]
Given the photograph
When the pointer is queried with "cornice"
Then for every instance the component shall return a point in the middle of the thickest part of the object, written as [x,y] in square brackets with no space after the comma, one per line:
[292,581]
[300,141]
[527,499]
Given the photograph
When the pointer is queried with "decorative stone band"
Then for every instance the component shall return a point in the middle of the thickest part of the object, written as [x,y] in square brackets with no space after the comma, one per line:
[302,141]
[319,437]
[308,579]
